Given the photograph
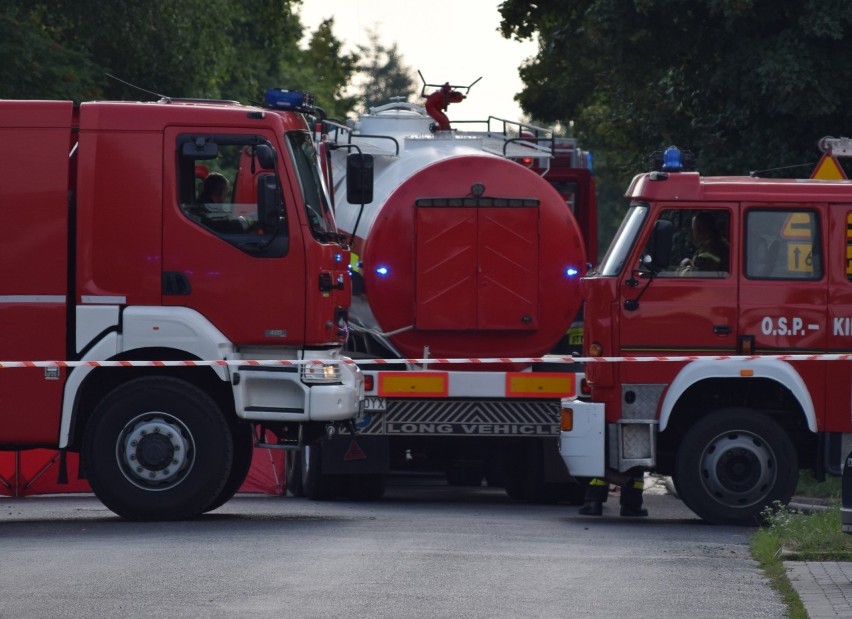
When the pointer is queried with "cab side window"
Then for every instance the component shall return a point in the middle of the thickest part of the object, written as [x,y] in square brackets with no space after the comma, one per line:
[228,186]
[700,245]
[783,244]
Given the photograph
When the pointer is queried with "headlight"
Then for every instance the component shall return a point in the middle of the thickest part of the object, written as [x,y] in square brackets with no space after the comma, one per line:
[324,373]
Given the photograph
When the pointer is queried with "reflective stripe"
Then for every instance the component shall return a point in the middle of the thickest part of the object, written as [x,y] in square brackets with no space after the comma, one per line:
[87,298]
[32,298]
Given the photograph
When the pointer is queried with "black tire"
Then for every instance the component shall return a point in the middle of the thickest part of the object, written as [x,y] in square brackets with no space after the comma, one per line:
[366,487]
[316,485]
[157,448]
[733,464]
[293,473]
[524,474]
[514,485]
[243,439]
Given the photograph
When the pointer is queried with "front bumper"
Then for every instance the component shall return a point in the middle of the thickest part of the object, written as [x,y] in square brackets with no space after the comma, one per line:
[582,448]
[268,393]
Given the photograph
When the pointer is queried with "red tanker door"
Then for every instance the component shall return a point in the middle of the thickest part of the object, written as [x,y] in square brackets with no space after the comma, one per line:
[508,268]
[690,307]
[487,275]
[446,290]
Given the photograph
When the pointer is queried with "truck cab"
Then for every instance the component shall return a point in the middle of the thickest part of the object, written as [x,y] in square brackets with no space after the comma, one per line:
[185,324]
[711,327]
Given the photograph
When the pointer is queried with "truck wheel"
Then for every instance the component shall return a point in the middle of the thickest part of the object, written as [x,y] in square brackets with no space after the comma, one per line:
[157,448]
[293,473]
[316,485]
[524,479]
[243,439]
[733,464]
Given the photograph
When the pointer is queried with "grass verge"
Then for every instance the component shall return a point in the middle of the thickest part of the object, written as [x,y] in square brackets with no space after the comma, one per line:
[790,535]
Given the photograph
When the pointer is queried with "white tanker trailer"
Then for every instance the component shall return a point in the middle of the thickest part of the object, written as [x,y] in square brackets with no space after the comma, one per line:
[461,252]
[463,249]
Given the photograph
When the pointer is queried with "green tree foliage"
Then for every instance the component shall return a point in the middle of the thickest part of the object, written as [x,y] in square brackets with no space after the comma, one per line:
[169,46]
[332,71]
[384,74]
[745,84]
[232,49]
[260,49]
[32,58]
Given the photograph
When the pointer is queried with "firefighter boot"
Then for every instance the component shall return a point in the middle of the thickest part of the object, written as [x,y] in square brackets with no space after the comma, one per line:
[591,508]
[596,494]
[631,497]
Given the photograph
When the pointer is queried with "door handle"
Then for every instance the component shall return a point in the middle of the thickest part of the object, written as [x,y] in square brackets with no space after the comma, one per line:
[721,329]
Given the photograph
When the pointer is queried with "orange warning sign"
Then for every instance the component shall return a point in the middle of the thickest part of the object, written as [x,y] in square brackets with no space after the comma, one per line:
[828,169]
[798,226]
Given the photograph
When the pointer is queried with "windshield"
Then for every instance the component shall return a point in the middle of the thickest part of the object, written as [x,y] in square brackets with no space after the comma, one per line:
[310,182]
[613,261]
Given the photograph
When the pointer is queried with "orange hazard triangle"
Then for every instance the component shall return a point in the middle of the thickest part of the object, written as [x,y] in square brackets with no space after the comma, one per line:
[828,169]
[355,452]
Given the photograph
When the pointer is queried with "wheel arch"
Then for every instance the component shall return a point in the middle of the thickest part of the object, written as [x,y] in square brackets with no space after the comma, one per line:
[97,382]
[767,385]
[745,377]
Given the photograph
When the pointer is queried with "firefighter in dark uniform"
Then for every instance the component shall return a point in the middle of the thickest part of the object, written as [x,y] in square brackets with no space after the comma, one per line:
[711,248]
[631,495]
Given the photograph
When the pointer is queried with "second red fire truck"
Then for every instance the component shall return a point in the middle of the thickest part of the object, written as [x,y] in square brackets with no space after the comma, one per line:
[716,328]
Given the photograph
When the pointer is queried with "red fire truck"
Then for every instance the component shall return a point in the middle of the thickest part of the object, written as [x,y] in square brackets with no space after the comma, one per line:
[469,244]
[753,270]
[161,308]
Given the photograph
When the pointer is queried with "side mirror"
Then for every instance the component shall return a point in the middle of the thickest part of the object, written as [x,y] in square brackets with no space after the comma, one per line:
[268,198]
[661,245]
[200,148]
[359,178]
[266,156]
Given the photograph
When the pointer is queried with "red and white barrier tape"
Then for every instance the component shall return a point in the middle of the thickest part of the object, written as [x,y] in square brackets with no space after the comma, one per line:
[429,361]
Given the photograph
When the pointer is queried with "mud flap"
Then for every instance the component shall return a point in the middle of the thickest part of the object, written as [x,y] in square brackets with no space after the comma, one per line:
[355,455]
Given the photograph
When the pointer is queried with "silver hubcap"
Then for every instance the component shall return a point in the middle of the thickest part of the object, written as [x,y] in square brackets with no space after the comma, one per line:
[738,468]
[155,451]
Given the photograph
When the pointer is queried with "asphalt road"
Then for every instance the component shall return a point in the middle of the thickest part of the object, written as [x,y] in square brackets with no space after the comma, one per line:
[420,552]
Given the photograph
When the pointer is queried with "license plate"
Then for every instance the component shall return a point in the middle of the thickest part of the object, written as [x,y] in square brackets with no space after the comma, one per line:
[372,403]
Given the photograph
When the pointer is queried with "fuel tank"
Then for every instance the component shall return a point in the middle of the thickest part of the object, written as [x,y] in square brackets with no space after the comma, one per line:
[463,252]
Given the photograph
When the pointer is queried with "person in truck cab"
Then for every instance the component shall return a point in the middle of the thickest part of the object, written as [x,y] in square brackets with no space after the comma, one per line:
[214,190]
[207,212]
[711,248]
